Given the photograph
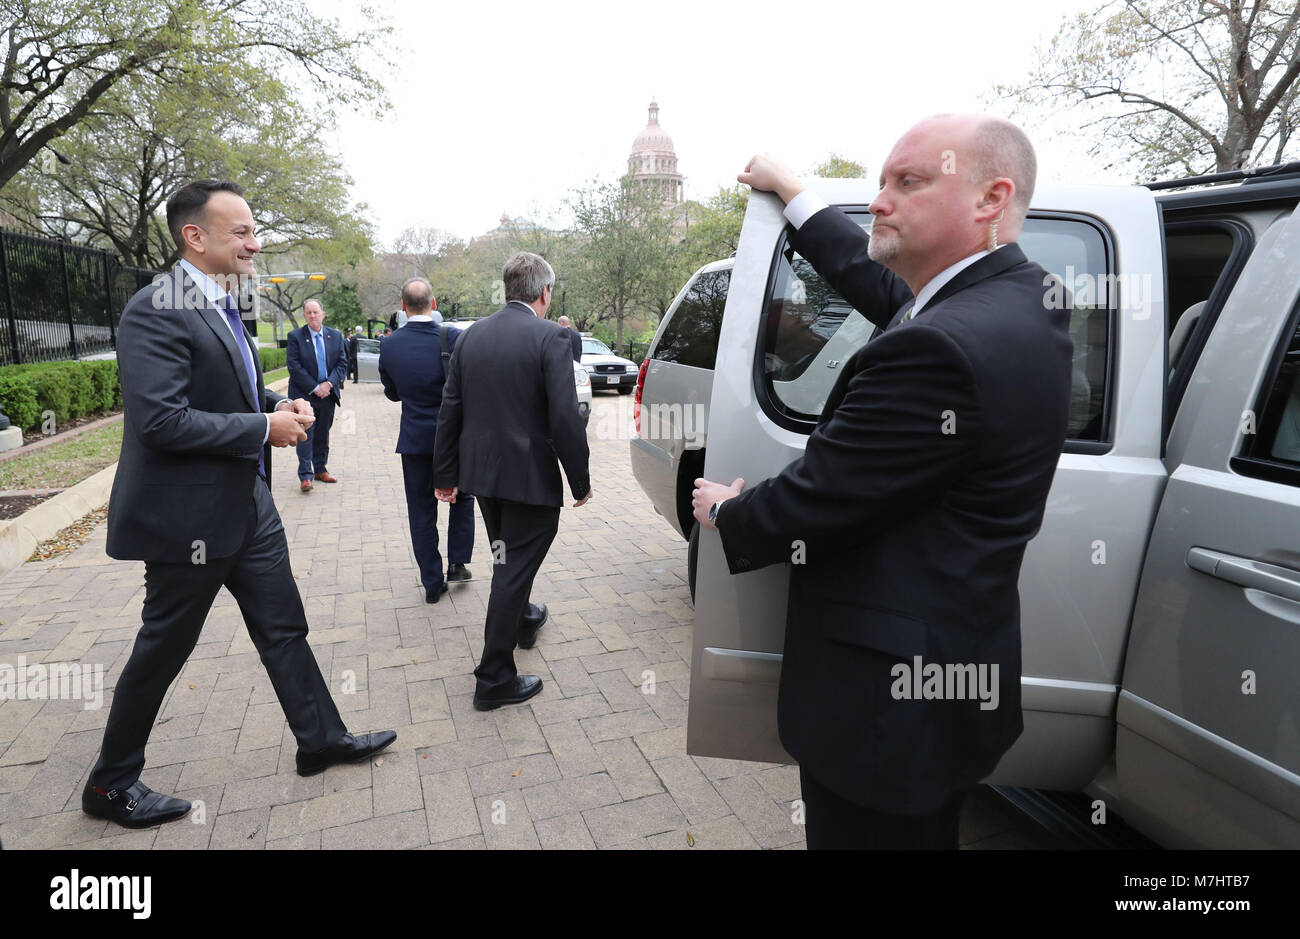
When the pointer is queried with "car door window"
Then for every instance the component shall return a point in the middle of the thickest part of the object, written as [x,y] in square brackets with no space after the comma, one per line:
[691,335]
[1271,432]
[810,331]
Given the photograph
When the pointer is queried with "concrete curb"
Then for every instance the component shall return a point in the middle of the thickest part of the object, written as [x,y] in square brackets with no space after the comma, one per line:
[20,536]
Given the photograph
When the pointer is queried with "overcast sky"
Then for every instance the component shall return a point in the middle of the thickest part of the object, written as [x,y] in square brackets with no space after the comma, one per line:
[501,106]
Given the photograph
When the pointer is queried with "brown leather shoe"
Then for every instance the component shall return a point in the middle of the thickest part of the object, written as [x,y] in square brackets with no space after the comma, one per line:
[306,485]
[326,478]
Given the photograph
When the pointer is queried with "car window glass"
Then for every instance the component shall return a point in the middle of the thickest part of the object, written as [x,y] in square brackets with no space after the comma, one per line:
[691,334]
[1278,439]
[595,347]
[1075,251]
[811,331]
[803,350]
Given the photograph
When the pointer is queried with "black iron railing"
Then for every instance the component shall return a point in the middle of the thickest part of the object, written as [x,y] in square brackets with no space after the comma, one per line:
[59,300]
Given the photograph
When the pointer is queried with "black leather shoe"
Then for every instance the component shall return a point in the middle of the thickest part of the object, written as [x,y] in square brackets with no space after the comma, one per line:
[137,806]
[516,692]
[350,750]
[457,573]
[534,620]
[434,595]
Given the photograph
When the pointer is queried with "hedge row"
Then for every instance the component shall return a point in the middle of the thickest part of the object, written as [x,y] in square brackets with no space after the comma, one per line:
[73,389]
[69,389]
[271,359]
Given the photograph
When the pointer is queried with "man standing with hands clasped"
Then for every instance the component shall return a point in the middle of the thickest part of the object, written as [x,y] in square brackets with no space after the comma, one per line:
[509,409]
[318,366]
[923,481]
[191,499]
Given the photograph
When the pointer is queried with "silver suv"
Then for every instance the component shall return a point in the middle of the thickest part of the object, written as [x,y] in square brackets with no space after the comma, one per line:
[672,400]
[1160,601]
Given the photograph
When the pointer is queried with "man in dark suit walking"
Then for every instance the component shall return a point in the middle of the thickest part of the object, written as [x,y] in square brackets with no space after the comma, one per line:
[318,367]
[191,499]
[925,478]
[509,408]
[353,348]
[575,338]
[412,366]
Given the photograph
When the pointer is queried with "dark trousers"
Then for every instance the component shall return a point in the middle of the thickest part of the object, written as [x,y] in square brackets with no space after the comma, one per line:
[176,603]
[519,536]
[352,368]
[422,515]
[834,823]
[314,452]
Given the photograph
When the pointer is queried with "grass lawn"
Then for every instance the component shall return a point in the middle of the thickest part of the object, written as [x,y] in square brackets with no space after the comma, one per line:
[268,377]
[61,465]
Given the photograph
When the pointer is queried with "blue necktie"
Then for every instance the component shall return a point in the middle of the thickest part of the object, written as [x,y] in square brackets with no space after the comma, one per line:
[320,359]
[232,317]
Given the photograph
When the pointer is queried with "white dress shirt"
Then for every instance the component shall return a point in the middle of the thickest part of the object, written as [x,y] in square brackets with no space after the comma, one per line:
[217,295]
[807,204]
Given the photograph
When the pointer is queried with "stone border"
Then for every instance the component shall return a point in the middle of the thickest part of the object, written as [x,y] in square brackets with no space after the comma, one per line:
[20,536]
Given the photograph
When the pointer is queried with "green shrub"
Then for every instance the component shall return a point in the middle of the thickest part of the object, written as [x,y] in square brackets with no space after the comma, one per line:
[272,359]
[70,389]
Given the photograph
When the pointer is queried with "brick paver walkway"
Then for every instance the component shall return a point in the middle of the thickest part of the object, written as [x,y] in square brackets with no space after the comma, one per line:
[590,762]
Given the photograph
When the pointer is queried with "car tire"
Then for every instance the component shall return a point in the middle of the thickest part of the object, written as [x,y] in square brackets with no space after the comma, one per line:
[625,389]
[692,557]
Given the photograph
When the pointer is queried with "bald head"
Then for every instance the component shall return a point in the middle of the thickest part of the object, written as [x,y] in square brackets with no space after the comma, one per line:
[952,186]
[982,148]
[417,296]
[1000,148]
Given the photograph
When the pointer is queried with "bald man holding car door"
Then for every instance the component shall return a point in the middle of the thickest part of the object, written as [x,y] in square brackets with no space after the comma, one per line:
[926,476]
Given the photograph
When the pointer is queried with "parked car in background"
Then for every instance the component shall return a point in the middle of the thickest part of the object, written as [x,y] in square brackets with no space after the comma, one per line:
[1160,599]
[367,359]
[606,369]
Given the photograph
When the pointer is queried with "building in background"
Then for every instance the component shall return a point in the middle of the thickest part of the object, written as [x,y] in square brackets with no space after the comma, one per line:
[653,160]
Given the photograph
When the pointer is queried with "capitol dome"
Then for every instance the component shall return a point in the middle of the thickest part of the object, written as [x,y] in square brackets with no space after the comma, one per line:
[653,158]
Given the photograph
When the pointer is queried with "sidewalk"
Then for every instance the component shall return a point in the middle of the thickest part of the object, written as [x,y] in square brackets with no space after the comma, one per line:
[590,762]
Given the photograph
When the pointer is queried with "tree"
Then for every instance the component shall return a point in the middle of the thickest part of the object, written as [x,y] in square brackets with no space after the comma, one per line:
[147,139]
[837,167]
[61,57]
[713,231]
[340,259]
[625,256]
[1174,87]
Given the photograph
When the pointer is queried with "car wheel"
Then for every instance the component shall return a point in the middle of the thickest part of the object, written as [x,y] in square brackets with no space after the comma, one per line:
[625,389]
[692,556]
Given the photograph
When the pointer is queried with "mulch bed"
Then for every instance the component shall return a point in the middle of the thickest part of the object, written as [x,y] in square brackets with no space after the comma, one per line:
[14,504]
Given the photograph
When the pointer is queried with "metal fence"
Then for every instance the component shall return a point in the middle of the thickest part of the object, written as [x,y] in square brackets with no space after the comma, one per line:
[59,300]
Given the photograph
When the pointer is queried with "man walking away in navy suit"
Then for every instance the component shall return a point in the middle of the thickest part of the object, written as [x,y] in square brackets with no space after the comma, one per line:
[413,367]
[318,367]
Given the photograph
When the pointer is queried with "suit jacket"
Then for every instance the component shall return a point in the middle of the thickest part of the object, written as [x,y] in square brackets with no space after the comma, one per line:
[575,339]
[300,356]
[924,479]
[192,429]
[410,366]
[509,409]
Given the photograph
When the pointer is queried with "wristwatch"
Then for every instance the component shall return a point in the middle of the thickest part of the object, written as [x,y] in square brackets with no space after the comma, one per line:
[713,511]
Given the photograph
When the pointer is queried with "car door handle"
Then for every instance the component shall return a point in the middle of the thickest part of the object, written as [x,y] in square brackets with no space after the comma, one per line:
[1281,581]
